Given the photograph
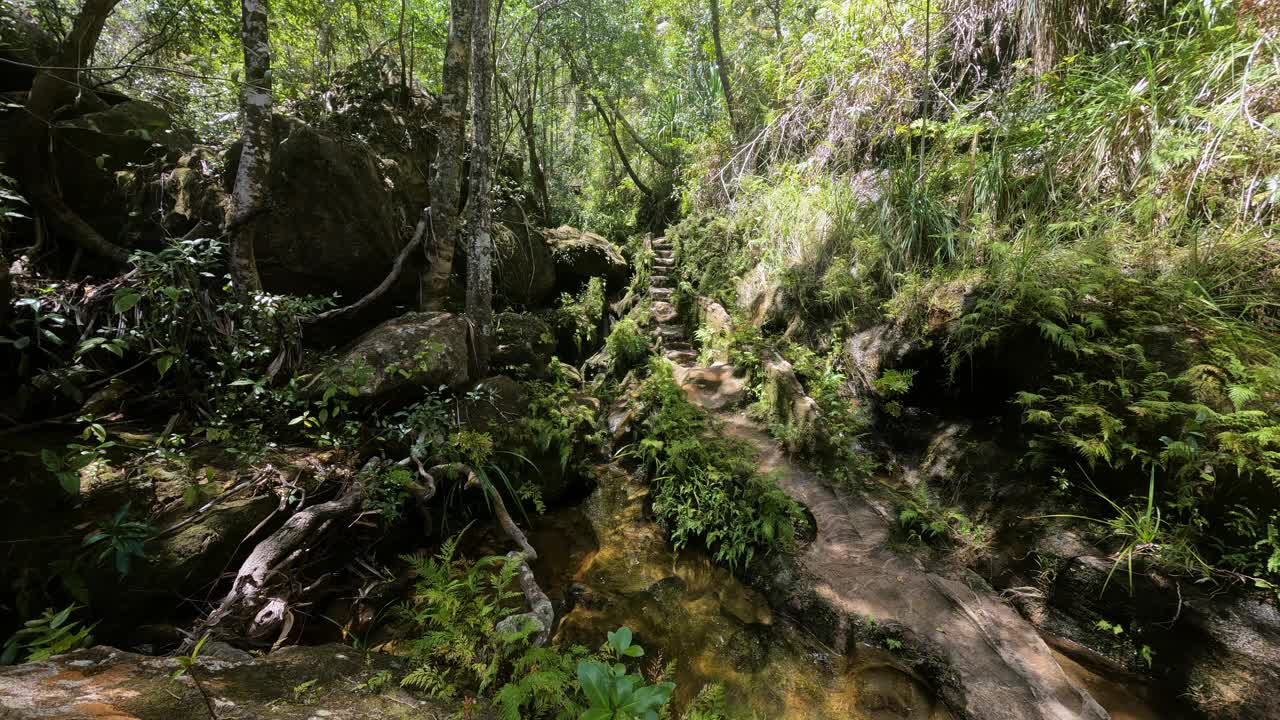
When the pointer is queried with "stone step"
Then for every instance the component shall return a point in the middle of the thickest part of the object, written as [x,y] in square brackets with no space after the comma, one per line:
[665,264]
[682,357]
[672,332]
[664,254]
[660,293]
[664,312]
[659,281]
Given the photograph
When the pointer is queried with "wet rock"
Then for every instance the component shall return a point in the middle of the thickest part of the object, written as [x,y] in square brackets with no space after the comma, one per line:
[522,339]
[886,693]
[295,683]
[580,255]
[393,360]
[983,660]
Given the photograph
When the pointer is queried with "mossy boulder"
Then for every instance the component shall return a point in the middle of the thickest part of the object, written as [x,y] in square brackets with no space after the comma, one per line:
[580,255]
[524,272]
[332,225]
[96,157]
[395,360]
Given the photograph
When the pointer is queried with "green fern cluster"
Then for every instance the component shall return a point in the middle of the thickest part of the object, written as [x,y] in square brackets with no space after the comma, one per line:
[706,486]
[454,612]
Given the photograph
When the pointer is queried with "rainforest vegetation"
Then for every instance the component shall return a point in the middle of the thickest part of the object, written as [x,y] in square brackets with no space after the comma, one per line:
[894,359]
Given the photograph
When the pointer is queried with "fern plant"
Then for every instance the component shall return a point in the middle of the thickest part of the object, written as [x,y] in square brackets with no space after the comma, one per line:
[53,633]
[455,609]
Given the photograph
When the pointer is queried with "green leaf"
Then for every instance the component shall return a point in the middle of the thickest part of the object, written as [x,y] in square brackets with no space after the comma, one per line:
[648,699]
[164,362]
[124,299]
[620,639]
[594,678]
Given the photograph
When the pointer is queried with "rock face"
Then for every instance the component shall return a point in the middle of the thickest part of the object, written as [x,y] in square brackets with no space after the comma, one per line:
[194,191]
[580,255]
[417,349]
[759,297]
[849,586]
[295,683]
[332,225]
[872,351]
[1221,653]
[524,272]
[522,339]
[786,397]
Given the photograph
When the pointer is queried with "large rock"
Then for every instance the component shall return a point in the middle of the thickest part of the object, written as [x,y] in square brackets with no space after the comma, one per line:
[870,352]
[522,339]
[194,192]
[851,586]
[1221,653]
[524,272]
[787,402]
[417,349]
[294,683]
[96,159]
[759,296]
[580,255]
[332,225]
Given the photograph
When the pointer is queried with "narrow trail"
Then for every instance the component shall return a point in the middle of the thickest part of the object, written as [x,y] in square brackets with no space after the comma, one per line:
[995,666]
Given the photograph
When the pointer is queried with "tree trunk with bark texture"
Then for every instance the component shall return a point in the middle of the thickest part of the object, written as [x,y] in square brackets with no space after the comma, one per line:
[479,203]
[446,183]
[53,88]
[248,196]
[722,67]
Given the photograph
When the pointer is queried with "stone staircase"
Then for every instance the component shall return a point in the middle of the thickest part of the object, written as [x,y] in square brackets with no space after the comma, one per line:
[670,333]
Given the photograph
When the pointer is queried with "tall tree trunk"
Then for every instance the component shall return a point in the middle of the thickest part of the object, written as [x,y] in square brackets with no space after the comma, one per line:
[617,146]
[249,194]
[446,183]
[480,245]
[723,67]
[53,88]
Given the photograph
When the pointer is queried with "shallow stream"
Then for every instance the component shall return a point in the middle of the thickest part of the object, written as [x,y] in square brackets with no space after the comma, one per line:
[610,565]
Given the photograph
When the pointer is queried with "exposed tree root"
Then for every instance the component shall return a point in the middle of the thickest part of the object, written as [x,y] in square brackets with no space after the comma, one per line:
[253,594]
[258,606]
[541,612]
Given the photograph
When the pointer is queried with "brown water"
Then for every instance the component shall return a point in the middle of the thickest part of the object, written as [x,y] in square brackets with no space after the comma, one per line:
[618,568]
[687,610]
